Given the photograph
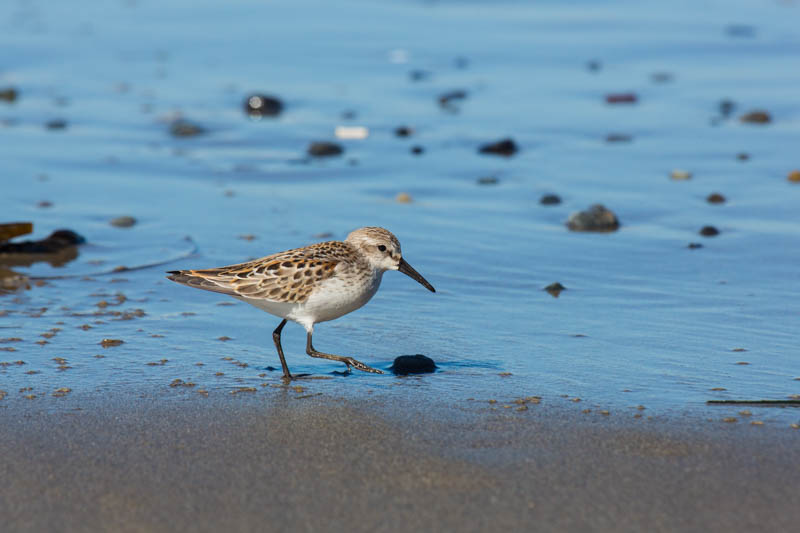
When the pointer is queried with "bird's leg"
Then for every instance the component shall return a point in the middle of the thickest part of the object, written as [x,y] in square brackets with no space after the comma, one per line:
[276,336]
[349,361]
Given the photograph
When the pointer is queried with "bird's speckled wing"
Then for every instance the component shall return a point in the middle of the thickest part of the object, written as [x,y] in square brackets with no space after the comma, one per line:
[288,276]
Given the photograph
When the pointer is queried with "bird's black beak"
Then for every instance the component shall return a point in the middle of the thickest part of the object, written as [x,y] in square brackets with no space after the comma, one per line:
[406,269]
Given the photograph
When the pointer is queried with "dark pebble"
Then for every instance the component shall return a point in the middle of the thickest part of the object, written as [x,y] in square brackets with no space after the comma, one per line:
[9,94]
[413,364]
[403,131]
[726,107]
[184,128]
[57,124]
[504,147]
[488,180]
[448,100]
[324,149]
[417,150]
[123,222]
[550,199]
[58,240]
[555,289]
[419,75]
[742,156]
[594,65]
[709,231]
[262,105]
[349,115]
[715,198]
[618,138]
[596,218]
[694,245]
[621,98]
[756,117]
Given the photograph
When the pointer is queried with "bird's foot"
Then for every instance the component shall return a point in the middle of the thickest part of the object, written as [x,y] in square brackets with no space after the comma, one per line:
[358,365]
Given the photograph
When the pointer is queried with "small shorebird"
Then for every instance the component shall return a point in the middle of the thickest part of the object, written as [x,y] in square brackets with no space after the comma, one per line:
[313,284]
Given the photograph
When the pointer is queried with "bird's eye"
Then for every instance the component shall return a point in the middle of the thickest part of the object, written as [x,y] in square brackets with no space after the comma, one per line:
[382,248]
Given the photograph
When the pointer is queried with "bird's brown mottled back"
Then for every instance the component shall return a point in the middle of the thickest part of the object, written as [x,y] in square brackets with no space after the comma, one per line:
[288,276]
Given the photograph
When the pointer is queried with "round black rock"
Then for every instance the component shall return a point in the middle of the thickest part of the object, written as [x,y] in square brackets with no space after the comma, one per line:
[550,199]
[324,149]
[488,180]
[262,105]
[413,364]
[403,131]
[505,147]
[709,231]
[417,150]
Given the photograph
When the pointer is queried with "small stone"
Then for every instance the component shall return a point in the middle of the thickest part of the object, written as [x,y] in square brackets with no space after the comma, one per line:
[56,124]
[730,419]
[262,105]
[403,131]
[596,218]
[621,98]
[417,150]
[726,107]
[709,231]
[618,138]
[123,222]
[550,199]
[743,156]
[324,149]
[679,174]
[419,75]
[403,198]
[106,343]
[715,198]
[488,180]
[413,364]
[794,176]
[555,289]
[594,65]
[694,245]
[351,132]
[505,147]
[224,338]
[184,128]
[756,117]
[8,94]
[448,100]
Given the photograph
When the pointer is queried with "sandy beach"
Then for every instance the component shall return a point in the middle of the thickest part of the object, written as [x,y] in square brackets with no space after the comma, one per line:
[272,462]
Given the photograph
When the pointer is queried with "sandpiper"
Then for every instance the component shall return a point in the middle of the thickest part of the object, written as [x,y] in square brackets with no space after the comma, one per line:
[312,284]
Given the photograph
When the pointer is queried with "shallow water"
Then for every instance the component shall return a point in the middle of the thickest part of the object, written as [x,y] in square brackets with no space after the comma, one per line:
[644,320]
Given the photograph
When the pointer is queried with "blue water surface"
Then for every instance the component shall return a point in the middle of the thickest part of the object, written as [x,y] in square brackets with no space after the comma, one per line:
[644,320]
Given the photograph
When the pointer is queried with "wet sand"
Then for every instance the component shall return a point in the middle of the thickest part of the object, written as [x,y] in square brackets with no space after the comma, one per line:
[271,461]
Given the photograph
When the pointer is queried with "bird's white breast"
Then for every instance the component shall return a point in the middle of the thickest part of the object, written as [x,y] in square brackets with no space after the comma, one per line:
[332,298]
[337,296]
